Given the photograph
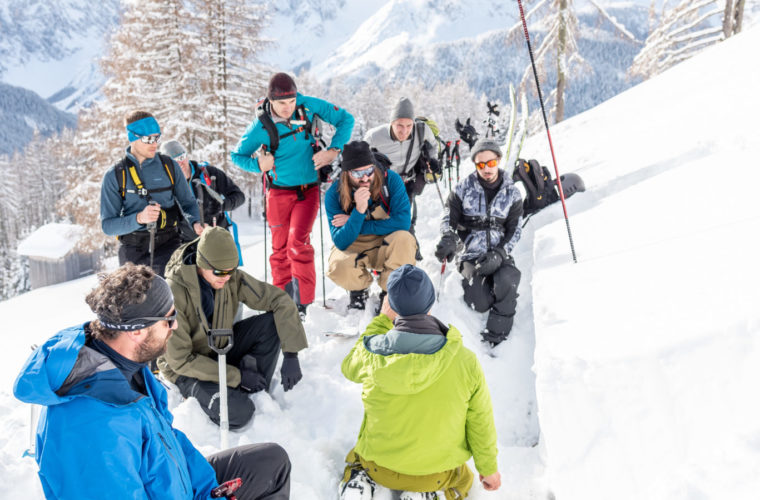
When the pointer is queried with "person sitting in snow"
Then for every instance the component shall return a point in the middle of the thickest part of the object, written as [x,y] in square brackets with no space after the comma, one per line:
[217,193]
[208,288]
[368,215]
[105,429]
[484,211]
[427,408]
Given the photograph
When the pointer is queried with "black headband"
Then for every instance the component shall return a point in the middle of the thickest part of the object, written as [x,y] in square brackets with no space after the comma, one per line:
[157,304]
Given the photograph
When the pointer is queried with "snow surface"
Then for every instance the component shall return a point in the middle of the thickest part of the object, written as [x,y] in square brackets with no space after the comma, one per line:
[51,241]
[639,364]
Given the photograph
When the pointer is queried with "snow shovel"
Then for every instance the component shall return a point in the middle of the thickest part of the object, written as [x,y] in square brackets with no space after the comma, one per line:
[224,417]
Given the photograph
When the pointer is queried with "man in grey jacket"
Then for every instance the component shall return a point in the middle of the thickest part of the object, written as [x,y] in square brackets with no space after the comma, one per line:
[407,142]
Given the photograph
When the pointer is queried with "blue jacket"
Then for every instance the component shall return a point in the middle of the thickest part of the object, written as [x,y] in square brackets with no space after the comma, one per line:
[399,220]
[119,216]
[97,437]
[293,165]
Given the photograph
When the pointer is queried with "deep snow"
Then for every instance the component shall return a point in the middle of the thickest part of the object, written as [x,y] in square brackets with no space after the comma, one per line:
[639,363]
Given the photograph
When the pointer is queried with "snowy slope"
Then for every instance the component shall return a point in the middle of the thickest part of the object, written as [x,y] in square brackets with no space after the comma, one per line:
[646,351]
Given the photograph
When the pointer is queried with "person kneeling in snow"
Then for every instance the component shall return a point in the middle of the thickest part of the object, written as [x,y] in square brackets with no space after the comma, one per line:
[105,429]
[484,211]
[427,408]
[368,214]
[208,288]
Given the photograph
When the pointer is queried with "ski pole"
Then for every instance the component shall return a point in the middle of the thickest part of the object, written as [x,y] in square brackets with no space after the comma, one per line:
[457,158]
[437,188]
[152,240]
[546,124]
[322,247]
[440,282]
[32,450]
[266,223]
[224,417]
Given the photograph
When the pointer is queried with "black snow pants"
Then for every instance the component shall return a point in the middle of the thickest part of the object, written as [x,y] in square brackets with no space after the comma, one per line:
[495,294]
[135,248]
[256,336]
[264,469]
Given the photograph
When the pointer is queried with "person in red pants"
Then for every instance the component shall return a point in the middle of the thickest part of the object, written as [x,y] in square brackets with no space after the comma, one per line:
[282,143]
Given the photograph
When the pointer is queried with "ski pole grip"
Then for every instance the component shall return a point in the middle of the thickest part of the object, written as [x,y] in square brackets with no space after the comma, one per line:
[220,333]
[227,489]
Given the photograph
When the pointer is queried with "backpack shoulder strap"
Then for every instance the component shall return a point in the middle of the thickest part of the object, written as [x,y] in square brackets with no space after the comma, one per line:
[120,170]
[262,113]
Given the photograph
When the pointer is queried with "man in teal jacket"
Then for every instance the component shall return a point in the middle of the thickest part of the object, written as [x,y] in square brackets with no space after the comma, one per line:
[427,408]
[283,145]
[106,431]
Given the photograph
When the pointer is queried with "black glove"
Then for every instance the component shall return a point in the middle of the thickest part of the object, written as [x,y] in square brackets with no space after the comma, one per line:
[435,167]
[250,378]
[290,371]
[446,248]
[490,262]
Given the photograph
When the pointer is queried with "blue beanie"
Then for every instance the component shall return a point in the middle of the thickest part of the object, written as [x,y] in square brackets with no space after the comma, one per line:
[410,291]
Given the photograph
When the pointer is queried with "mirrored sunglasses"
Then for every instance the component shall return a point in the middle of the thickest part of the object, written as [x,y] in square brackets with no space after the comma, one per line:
[180,158]
[359,173]
[150,139]
[490,163]
[217,272]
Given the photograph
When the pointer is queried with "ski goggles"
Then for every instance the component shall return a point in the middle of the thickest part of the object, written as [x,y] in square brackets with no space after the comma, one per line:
[362,172]
[217,272]
[490,163]
[149,139]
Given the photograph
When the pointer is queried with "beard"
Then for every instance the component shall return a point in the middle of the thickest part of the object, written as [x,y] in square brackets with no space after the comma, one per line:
[151,348]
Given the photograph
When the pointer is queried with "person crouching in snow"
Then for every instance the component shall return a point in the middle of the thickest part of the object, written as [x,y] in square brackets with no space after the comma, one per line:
[484,211]
[369,216]
[411,365]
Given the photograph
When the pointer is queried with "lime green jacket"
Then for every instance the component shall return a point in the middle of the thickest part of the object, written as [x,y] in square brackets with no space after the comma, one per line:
[426,411]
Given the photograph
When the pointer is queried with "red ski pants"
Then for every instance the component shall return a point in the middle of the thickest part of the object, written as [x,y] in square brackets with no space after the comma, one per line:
[290,221]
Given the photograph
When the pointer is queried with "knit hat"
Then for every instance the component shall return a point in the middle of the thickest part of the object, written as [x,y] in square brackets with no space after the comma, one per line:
[217,250]
[173,149]
[410,291]
[402,109]
[281,86]
[356,154]
[485,145]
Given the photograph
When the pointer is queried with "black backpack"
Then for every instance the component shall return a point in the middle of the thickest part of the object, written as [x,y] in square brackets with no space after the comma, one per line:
[539,186]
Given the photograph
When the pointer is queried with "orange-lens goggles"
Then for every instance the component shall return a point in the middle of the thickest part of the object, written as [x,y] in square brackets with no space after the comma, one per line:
[490,163]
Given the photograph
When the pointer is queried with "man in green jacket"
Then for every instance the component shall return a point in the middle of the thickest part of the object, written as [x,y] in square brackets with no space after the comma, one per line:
[427,408]
[208,289]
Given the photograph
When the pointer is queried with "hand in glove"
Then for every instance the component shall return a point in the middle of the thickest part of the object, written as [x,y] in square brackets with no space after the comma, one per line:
[446,248]
[490,262]
[435,167]
[250,378]
[290,371]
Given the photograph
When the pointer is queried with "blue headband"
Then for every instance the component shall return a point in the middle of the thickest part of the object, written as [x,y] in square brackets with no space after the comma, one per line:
[143,127]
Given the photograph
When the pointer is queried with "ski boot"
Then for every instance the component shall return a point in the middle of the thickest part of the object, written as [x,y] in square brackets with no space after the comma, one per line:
[380,303]
[359,486]
[358,299]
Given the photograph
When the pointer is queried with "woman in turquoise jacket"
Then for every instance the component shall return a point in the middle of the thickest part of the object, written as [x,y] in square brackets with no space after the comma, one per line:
[281,144]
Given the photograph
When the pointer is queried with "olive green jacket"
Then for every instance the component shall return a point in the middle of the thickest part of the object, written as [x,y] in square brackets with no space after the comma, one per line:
[427,408]
[187,352]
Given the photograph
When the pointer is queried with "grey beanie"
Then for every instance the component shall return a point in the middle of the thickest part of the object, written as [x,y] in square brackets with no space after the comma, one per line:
[172,148]
[410,291]
[485,145]
[402,109]
[217,250]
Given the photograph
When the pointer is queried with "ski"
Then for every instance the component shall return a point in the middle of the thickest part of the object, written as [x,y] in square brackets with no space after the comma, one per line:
[341,335]
[512,120]
[524,131]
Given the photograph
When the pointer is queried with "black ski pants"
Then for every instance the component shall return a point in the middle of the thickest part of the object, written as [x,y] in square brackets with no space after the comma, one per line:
[135,248]
[256,336]
[495,294]
[264,469]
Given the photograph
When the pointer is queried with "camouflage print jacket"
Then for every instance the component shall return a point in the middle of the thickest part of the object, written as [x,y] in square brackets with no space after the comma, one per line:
[480,225]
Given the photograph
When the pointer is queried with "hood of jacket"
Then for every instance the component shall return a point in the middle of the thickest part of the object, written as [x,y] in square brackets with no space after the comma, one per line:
[64,368]
[407,363]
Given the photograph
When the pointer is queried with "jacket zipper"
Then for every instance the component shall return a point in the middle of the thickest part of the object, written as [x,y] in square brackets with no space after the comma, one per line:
[169,451]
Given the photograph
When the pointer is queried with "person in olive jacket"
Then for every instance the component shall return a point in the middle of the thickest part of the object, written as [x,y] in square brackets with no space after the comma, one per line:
[208,289]
[427,408]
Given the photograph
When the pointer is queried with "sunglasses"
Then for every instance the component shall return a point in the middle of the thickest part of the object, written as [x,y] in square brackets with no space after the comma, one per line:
[217,272]
[169,319]
[180,158]
[150,139]
[359,173]
[490,163]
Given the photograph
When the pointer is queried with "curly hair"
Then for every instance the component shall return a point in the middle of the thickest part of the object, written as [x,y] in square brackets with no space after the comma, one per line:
[127,285]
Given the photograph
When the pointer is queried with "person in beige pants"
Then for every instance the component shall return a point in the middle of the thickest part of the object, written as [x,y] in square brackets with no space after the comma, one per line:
[369,217]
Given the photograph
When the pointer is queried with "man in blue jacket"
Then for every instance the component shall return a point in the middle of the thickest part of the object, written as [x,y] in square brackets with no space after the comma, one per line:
[143,194]
[106,430]
[369,217]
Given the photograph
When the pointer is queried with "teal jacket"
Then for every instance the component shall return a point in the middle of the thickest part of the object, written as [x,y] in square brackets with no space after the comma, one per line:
[293,165]
[427,408]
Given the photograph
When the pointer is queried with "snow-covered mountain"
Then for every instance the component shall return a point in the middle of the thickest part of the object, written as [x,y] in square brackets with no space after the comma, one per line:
[636,368]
